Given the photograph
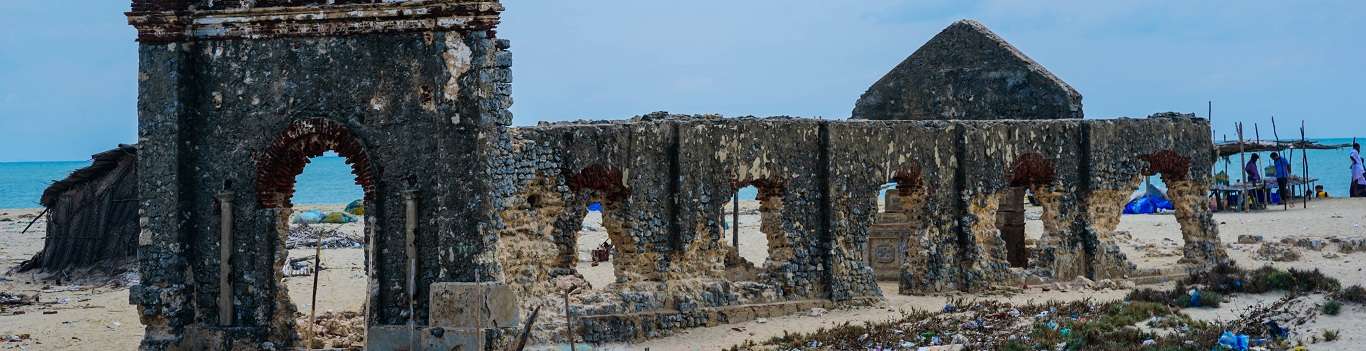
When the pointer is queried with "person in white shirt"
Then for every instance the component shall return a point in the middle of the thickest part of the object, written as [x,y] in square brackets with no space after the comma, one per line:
[1358,187]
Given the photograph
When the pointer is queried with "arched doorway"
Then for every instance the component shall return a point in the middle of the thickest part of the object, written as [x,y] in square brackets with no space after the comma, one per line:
[278,170]
[599,249]
[894,238]
[1030,173]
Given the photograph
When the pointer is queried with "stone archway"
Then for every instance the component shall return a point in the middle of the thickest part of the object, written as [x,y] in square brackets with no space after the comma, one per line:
[897,242]
[1030,171]
[286,157]
[278,168]
[1198,229]
[604,185]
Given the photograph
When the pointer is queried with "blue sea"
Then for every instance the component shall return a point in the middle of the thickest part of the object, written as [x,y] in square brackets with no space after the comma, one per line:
[328,180]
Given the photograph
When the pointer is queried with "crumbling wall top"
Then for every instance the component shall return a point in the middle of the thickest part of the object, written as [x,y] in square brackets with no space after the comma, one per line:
[968,72]
[181,20]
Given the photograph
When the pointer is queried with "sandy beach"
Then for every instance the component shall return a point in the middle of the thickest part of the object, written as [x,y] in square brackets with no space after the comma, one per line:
[94,314]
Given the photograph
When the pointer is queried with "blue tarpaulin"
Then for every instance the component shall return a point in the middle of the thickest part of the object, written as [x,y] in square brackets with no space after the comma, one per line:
[1149,202]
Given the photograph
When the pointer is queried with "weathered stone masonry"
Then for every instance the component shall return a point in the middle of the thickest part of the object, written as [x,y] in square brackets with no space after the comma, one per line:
[419,87]
[674,271]
[234,96]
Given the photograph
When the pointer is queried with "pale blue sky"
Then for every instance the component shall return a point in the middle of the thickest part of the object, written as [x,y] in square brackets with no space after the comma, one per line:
[68,72]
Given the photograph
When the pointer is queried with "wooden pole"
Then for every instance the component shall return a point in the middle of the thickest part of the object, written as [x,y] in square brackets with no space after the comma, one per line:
[1242,163]
[526,330]
[35,220]
[1262,197]
[735,222]
[569,318]
[313,303]
[1304,156]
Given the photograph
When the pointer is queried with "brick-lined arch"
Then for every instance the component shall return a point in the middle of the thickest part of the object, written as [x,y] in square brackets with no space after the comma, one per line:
[286,157]
[908,181]
[603,179]
[1167,163]
[1031,169]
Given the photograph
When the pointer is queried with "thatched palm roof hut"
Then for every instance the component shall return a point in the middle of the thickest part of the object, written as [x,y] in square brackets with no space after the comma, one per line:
[92,214]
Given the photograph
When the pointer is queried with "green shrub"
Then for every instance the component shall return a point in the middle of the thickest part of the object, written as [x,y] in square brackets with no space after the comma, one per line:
[1353,294]
[1332,308]
[1330,335]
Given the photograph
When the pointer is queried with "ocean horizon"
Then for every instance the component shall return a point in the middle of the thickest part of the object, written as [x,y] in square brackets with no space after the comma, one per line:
[328,180]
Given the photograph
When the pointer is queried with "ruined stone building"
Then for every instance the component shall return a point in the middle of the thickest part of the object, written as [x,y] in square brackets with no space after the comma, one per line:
[470,221]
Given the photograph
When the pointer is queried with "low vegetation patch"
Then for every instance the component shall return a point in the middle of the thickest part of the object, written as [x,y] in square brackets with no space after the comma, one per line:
[1332,308]
[1179,296]
[992,325]
[1354,294]
[1229,278]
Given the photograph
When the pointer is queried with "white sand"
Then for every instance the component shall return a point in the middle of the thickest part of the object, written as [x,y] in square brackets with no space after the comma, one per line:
[100,318]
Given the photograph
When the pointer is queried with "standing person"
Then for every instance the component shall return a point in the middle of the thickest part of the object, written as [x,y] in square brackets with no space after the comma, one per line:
[1282,176]
[1358,187]
[1254,177]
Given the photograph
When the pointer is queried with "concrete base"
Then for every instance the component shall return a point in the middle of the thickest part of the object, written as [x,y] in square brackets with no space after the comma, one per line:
[473,305]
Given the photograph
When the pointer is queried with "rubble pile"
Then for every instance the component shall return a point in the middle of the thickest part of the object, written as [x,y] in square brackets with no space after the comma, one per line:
[1277,252]
[335,330]
[303,235]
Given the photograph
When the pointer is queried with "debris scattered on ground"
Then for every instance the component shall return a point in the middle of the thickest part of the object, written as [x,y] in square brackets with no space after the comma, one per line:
[339,330]
[1347,246]
[299,267]
[304,235]
[9,299]
[1249,239]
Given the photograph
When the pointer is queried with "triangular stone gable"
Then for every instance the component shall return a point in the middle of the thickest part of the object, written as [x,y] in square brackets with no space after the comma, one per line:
[967,72]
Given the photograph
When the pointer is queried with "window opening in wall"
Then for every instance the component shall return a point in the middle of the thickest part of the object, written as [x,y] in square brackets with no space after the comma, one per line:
[742,217]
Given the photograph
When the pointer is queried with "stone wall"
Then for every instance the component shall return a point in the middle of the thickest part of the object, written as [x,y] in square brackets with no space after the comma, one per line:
[665,179]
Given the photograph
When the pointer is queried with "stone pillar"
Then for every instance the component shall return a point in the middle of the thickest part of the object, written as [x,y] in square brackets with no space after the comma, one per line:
[225,246]
[410,251]
[1198,229]
[162,296]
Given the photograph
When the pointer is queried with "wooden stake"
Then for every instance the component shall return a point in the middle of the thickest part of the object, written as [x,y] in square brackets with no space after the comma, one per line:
[1305,164]
[569,318]
[313,303]
[35,220]
[526,330]
[735,222]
